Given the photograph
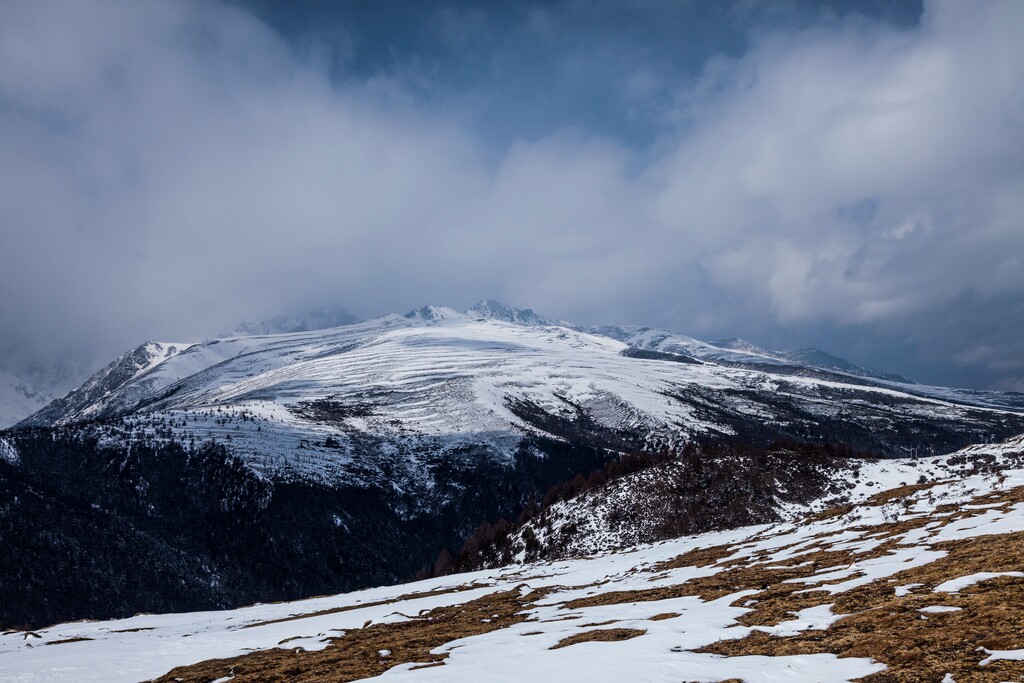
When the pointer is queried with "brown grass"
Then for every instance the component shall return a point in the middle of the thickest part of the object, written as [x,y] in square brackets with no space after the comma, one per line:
[899,492]
[624,597]
[699,557]
[878,625]
[135,630]
[665,615]
[829,513]
[607,635]
[356,654]
[68,640]
[361,605]
[914,646]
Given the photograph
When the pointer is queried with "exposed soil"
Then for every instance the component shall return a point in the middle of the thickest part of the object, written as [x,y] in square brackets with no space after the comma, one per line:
[699,557]
[361,605]
[606,635]
[68,640]
[665,615]
[357,654]
[915,646]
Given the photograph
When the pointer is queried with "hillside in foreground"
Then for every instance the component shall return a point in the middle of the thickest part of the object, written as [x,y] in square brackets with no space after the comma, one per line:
[920,579]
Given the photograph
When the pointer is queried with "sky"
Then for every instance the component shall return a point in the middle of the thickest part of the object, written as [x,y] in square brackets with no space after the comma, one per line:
[843,175]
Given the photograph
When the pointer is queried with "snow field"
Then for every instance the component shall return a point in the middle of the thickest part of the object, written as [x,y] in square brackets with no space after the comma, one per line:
[147,646]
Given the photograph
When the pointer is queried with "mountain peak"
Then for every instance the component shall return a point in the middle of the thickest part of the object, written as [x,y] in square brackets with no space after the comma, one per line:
[433,313]
[737,344]
[487,309]
[92,398]
[496,310]
[822,359]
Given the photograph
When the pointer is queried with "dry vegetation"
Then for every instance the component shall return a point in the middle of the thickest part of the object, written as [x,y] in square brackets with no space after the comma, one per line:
[913,645]
[606,635]
[357,654]
[699,557]
[880,625]
[67,640]
[362,605]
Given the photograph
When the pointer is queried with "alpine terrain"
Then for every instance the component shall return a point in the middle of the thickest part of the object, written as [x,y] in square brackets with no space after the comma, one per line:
[277,466]
[917,577]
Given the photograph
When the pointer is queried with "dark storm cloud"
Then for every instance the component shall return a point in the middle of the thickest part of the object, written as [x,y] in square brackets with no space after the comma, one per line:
[852,179]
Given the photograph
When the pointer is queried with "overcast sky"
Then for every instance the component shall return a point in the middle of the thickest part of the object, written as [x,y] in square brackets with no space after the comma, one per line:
[842,175]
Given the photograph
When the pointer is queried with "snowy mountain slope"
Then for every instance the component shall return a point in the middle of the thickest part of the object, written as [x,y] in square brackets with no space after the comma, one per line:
[304,404]
[810,357]
[124,378]
[737,353]
[819,358]
[910,584]
[647,505]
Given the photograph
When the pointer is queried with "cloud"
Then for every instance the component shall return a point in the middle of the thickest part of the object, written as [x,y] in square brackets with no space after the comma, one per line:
[172,168]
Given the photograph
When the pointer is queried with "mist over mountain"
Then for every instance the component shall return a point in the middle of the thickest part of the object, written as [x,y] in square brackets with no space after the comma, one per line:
[322,451]
[807,175]
[742,400]
[319,319]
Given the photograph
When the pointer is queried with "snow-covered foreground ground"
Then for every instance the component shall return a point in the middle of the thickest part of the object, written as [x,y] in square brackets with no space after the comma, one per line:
[767,603]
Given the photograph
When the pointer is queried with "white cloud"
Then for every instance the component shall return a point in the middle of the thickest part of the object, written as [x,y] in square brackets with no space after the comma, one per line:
[170,168]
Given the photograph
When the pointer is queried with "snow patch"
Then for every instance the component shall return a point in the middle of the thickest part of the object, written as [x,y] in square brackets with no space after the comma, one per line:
[958,584]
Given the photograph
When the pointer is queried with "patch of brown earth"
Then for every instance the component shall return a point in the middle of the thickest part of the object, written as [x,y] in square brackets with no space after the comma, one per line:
[68,640]
[829,513]
[356,654]
[900,492]
[623,597]
[757,577]
[915,646]
[665,615]
[361,605]
[699,557]
[607,635]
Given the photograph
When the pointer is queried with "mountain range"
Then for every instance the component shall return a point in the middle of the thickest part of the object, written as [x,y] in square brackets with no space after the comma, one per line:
[275,466]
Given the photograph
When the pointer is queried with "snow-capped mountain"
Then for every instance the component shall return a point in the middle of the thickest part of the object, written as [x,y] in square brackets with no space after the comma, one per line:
[276,466]
[119,381]
[491,375]
[916,578]
[811,363]
[487,309]
[810,357]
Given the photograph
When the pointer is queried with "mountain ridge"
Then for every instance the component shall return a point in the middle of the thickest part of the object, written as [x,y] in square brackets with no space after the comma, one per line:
[732,352]
[379,442]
